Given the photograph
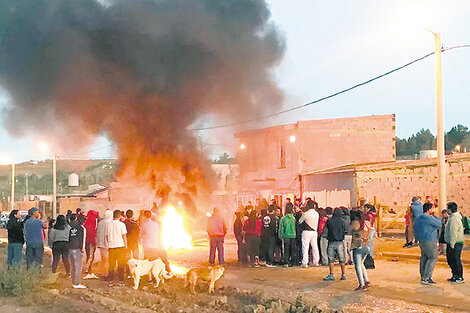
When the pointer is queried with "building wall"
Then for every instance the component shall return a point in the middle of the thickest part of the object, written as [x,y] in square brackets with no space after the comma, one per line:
[331,189]
[394,184]
[270,164]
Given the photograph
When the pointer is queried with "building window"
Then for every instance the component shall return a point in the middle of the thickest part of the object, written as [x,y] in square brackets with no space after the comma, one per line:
[282,153]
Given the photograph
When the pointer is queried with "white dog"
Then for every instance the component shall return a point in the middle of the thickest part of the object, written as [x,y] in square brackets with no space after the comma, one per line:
[159,272]
[156,268]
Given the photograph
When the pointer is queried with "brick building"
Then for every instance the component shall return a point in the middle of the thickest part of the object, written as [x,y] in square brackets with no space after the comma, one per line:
[275,161]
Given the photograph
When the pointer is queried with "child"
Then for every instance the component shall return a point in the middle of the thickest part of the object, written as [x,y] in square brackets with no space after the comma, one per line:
[442,242]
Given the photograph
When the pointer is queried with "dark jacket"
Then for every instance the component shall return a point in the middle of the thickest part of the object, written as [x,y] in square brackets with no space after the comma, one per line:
[238,228]
[270,225]
[336,228]
[15,231]
[77,236]
[133,232]
[33,231]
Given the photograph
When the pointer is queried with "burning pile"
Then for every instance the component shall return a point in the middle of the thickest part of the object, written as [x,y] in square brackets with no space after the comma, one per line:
[174,232]
[140,72]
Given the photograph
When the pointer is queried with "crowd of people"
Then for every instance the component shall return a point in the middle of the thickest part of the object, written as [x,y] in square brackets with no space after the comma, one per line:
[305,235]
[436,235]
[75,238]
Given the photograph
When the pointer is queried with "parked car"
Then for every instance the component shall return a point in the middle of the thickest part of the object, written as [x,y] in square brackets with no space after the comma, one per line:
[4,216]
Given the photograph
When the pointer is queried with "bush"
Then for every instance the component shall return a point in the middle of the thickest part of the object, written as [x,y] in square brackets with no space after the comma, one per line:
[18,281]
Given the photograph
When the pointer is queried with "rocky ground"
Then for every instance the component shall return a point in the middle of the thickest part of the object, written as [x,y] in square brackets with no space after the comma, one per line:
[395,288]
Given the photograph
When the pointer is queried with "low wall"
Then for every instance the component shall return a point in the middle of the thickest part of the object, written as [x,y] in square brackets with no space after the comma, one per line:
[394,184]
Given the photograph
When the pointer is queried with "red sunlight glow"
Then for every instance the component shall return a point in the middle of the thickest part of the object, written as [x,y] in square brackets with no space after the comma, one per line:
[174,234]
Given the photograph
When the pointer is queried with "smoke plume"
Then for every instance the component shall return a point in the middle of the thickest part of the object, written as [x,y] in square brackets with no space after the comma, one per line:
[140,72]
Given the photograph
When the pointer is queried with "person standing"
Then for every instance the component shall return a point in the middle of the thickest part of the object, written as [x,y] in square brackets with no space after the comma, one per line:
[151,240]
[91,226]
[309,234]
[347,236]
[416,209]
[425,229]
[216,229]
[15,239]
[287,234]
[323,233]
[77,247]
[239,236]
[336,229]
[59,242]
[252,228]
[455,239]
[361,248]
[101,241]
[442,241]
[269,237]
[33,233]
[117,244]
[133,234]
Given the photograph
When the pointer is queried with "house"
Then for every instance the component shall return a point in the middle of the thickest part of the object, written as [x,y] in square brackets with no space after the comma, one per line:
[273,162]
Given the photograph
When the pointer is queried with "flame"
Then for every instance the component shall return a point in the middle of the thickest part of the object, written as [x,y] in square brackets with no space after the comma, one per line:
[178,269]
[174,233]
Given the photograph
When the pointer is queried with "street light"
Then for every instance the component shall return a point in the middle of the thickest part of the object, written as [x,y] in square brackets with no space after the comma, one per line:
[5,160]
[45,148]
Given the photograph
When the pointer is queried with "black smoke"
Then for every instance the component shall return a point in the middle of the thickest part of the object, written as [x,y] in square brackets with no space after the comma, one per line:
[138,71]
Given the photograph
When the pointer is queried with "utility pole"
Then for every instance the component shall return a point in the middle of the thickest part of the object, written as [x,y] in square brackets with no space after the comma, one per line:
[13,180]
[54,185]
[27,186]
[441,157]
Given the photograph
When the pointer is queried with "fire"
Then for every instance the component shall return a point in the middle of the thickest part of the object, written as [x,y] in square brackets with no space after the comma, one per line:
[174,233]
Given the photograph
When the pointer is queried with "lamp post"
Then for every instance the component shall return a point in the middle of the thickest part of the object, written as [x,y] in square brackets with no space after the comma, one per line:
[12,202]
[54,185]
[45,147]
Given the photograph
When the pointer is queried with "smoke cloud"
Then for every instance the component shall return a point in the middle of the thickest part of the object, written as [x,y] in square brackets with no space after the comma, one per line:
[140,72]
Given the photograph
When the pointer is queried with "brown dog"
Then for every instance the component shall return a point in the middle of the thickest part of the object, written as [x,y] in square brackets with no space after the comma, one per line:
[209,274]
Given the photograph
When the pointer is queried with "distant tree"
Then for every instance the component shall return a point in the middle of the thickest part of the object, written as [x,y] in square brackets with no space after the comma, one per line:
[225,159]
[456,136]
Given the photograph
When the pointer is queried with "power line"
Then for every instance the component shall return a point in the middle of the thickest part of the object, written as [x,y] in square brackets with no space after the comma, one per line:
[314,101]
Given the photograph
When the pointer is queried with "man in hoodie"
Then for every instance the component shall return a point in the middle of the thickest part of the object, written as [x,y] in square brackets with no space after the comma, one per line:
[33,234]
[269,237]
[425,229]
[133,234]
[91,225]
[416,209]
[101,242]
[287,234]
[309,219]
[15,239]
[455,238]
[336,230]
[77,246]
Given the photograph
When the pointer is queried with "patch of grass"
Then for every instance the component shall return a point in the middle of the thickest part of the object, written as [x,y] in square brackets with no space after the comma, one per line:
[18,281]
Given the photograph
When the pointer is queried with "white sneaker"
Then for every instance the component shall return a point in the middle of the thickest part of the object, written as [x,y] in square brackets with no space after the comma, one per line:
[304,265]
[79,286]
[94,276]
[89,276]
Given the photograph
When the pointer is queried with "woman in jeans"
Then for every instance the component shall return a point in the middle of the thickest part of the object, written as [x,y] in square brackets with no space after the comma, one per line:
[252,229]
[361,248]
[15,239]
[59,242]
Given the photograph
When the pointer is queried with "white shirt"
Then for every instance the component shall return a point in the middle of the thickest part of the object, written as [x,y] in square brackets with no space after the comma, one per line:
[311,218]
[114,232]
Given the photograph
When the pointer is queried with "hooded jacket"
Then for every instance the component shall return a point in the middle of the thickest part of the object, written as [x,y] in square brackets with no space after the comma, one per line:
[102,229]
[425,228]
[15,230]
[336,226]
[287,226]
[416,208]
[454,230]
[91,226]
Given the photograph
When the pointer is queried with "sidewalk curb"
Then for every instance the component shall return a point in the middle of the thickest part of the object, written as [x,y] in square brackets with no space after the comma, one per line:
[410,256]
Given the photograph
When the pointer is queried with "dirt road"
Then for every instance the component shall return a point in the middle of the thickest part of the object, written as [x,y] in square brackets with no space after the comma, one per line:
[396,288]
